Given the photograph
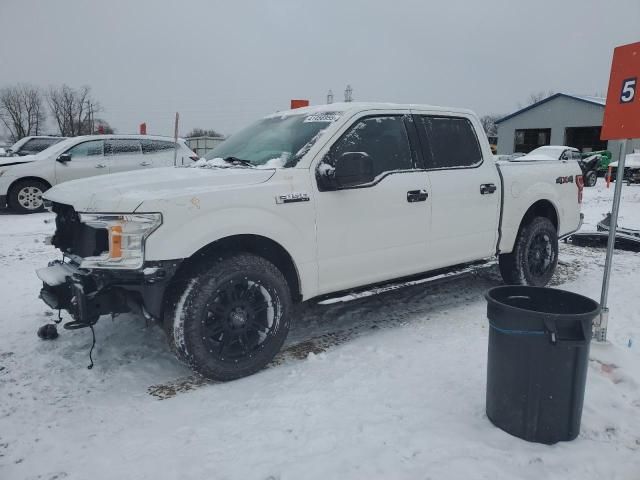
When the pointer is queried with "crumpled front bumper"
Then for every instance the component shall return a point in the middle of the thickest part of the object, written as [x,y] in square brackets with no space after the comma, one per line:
[88,294]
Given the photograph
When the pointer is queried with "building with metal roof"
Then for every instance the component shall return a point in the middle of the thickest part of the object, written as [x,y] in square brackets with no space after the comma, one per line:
[561,119]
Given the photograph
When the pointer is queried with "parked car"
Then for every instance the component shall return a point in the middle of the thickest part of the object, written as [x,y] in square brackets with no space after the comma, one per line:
[23,180]
[631,168]
[301,204]
[552,152]
[31,145]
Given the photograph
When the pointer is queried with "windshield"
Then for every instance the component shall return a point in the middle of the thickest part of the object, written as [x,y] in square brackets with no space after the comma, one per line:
[58,147]
[278,141]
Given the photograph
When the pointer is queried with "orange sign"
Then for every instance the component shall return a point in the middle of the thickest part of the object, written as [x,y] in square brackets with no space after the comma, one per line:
[622,112]
[299,103]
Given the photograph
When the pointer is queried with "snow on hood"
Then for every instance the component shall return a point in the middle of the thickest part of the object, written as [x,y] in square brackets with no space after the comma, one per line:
[125,192]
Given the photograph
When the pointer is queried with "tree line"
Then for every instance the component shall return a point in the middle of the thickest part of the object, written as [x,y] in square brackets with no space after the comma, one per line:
[24,110]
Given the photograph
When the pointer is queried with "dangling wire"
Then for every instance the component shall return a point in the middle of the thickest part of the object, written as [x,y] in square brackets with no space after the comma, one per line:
[59,317]
[93,344]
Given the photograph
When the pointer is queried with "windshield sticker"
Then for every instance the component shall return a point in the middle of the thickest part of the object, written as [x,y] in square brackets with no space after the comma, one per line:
[322,117]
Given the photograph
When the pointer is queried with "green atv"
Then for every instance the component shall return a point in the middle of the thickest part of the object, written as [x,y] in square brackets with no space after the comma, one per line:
[594,165]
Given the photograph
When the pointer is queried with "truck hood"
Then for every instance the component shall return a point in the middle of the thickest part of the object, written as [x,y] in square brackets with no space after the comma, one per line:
[125,192]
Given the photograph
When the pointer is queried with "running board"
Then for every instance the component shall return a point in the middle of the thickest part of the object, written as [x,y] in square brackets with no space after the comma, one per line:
[435,276]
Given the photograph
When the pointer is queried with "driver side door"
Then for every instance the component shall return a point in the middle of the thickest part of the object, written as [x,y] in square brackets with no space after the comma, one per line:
[376,231]
[87,160]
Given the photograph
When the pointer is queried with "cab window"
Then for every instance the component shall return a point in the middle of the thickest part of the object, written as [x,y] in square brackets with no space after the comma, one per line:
[155,146]
[382,138]
[448,142]
[122,147]
[86,149]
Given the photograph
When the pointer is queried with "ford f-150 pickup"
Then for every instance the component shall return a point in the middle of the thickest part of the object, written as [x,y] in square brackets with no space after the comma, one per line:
[301,204]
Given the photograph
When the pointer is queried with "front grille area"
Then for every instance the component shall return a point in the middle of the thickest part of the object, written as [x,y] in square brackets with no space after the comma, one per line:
[75,238]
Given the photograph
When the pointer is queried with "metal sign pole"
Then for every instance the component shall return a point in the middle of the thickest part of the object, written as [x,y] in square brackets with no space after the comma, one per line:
[600,331]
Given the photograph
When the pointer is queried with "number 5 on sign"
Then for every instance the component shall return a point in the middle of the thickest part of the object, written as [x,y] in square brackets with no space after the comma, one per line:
[622,111]
[628,90]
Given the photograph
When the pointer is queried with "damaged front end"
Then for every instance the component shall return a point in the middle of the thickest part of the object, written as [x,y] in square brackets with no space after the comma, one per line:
[95,276]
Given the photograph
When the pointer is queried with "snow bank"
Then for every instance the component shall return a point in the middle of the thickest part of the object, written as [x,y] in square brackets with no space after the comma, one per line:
[394,387]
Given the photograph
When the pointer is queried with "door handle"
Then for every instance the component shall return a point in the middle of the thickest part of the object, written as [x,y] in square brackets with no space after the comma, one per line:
[145,163]
[417,195]
[101,165]
[487,188]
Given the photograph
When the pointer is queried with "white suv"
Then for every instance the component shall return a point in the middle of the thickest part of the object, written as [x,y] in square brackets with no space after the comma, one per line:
[23,180]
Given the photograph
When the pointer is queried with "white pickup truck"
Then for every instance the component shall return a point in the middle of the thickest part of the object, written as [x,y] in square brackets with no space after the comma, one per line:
[301,204]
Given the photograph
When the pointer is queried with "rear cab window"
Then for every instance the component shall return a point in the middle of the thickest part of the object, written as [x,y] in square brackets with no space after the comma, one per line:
[448,142]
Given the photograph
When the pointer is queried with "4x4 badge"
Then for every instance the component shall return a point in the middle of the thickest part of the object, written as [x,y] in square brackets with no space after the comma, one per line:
[292,198]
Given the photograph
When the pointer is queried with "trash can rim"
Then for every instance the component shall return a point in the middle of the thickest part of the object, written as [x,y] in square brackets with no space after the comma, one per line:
[491,299]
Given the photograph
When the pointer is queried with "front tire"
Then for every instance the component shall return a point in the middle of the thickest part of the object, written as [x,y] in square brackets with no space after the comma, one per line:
[590,179]
[26,196]
[534,257]
[231,317]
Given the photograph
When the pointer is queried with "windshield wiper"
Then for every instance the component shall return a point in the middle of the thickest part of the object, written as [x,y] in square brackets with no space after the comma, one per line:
[238,161]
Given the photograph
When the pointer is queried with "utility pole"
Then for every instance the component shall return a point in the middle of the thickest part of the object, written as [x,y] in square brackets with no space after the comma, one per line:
[348,94]
[175,139]
[329,97]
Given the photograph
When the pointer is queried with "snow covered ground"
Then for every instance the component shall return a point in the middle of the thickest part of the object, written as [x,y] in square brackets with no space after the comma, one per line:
[389,386]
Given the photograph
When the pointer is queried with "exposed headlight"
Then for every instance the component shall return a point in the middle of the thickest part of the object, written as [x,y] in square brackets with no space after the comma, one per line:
[127,235]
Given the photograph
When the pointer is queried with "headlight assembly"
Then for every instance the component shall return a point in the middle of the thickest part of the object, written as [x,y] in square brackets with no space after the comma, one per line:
[127,235]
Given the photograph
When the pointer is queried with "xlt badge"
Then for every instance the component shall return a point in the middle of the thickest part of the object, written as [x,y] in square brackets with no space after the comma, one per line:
[292,198]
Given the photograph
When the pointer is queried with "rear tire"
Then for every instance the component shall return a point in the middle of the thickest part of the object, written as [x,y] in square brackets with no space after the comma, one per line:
[230,317]
[26,196]
[534,257]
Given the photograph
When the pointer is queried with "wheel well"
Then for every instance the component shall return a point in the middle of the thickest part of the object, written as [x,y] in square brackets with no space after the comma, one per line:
[12,186]
[542,208]
[257,245]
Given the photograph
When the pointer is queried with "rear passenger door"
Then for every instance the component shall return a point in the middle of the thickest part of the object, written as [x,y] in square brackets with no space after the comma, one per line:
[465,190]
[124,154]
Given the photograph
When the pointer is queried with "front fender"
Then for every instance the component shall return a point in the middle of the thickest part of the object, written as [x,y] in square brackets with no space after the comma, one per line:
[183,233]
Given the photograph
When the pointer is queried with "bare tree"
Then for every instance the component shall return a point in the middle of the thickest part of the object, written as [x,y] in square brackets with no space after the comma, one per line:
[489,124]
[22,110]
[537,97]
[201,132]
[73,110]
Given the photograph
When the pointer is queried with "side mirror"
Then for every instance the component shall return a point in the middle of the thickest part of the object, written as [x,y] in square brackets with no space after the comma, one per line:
[351,169]
[64,158]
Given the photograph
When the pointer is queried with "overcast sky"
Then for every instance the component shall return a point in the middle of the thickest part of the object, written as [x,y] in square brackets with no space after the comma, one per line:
[221,64]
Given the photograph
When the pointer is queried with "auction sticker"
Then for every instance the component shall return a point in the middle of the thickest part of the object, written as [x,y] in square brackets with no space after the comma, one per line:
[327,117]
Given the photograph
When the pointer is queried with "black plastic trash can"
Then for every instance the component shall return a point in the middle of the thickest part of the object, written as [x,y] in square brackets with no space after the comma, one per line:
[537,361]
